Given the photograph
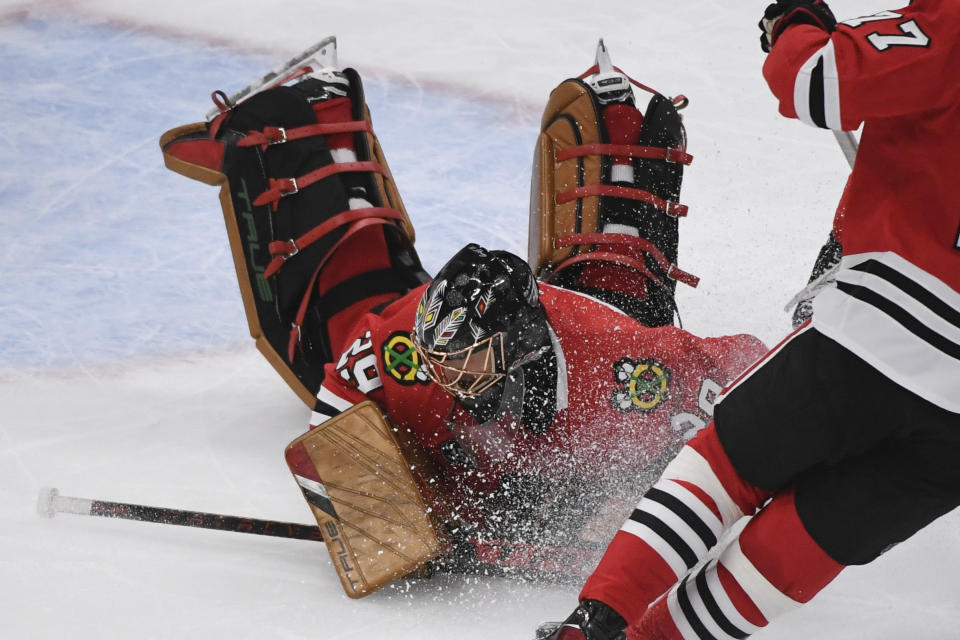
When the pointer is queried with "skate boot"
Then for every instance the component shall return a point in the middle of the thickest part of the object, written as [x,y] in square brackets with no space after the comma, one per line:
[592,620]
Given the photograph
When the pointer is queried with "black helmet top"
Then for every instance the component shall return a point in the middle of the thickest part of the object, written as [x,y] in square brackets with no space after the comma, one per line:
[481,297]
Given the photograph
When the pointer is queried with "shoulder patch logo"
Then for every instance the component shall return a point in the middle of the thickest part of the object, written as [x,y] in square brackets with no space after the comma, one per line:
[401,361]
[644,384]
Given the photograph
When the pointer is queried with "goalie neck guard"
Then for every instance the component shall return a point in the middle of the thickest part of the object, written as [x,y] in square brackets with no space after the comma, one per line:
[318,231]
[604,207]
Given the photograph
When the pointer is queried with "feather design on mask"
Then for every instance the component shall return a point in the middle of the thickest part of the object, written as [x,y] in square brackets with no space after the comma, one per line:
[448,327]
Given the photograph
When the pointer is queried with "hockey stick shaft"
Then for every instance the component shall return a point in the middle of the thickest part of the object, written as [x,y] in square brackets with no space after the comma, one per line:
[848,144]
[51,502]
[524,560]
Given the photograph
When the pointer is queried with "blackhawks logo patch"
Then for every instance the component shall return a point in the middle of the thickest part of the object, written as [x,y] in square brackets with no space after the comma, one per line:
[401,361]
[644,384]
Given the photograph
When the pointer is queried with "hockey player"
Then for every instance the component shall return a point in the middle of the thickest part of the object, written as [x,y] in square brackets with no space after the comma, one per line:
[524,394]
[521,406]
[849,427]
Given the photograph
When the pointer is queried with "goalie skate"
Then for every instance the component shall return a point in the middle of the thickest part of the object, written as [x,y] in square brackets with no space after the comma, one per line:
[322,55]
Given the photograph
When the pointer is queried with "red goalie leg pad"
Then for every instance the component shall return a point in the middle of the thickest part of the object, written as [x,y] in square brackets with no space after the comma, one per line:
[201,151]
[364,252]
[613,277]
[336,110]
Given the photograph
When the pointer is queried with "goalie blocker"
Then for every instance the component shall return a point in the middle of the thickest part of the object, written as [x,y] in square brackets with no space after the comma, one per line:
[366,487]
[305,189]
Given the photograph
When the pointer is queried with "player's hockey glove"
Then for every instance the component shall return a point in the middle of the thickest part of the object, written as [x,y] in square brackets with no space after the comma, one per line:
[784,13]
[592,620]
[823,275]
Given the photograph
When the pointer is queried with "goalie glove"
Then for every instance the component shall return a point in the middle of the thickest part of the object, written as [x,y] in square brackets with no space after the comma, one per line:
[784,13]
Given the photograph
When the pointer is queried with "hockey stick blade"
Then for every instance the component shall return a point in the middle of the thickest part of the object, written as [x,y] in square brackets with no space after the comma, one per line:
[546,630]
[323,54]
[50,503]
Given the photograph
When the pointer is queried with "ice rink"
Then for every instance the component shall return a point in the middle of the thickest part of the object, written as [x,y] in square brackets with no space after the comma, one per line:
[126,369]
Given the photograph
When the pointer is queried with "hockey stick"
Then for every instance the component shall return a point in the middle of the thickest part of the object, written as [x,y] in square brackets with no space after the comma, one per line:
[848,144]
[50,503]
[502,558]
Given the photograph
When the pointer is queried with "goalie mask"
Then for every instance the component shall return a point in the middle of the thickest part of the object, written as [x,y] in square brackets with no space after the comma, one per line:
[480,319]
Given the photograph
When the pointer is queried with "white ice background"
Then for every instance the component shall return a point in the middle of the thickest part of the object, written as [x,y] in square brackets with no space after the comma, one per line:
[126,372]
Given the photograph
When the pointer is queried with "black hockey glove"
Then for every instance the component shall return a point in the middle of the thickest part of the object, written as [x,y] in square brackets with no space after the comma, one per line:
[785,13]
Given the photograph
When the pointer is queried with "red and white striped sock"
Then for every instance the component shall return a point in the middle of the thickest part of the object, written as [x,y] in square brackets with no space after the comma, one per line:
[772,567]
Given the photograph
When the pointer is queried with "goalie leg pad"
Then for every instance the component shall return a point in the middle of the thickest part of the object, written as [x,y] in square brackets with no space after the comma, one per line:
[367,497]
[317,229]
[604,211]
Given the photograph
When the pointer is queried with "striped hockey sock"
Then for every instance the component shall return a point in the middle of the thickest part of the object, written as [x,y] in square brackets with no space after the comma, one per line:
[672,528]
[773,567]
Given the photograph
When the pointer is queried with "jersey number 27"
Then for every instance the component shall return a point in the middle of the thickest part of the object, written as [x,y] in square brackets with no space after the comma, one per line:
[913,35]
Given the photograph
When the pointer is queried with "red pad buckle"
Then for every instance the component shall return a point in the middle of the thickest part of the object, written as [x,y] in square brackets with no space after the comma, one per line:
[286,186]
[675,209]
[275,135]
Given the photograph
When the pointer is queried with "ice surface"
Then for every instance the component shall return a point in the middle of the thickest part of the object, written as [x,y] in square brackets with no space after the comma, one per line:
[125,369]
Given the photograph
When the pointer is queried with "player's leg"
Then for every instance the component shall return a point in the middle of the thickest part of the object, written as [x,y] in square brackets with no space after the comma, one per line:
[839,515]
[753,581]
[777,421]
[698,497]
[700,494]
[809,402]
[899,475]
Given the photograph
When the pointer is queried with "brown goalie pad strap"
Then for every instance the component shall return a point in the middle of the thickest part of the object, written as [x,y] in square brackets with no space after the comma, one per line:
[364,489]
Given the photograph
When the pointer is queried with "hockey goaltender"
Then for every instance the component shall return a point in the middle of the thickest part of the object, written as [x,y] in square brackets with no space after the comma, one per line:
[505,414]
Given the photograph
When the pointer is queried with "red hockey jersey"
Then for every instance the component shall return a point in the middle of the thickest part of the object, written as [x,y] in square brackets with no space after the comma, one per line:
[897,299]
[626,394]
